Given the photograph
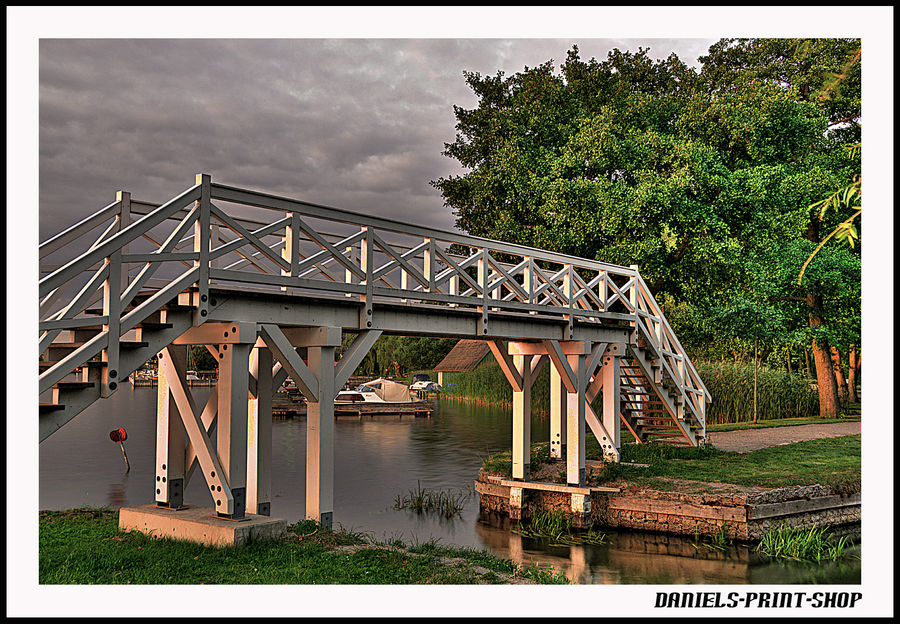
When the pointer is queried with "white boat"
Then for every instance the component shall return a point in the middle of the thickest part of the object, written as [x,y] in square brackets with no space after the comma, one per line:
[376,391]
[423,383]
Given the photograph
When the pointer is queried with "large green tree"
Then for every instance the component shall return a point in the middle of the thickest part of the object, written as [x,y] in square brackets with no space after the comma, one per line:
[702,178]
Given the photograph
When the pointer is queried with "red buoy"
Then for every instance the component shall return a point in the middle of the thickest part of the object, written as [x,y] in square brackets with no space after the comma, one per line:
[119,435]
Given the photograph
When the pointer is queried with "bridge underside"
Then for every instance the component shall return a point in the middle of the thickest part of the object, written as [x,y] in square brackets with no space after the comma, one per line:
[258,339]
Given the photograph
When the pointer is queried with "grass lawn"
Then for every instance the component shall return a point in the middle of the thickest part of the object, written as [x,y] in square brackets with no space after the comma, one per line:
[781,422]
[83,546]
[833,462]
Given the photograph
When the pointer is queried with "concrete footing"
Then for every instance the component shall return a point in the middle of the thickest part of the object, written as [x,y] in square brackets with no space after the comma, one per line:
[199,524]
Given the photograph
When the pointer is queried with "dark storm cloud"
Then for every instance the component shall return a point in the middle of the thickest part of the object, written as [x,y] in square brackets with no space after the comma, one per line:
[353,123]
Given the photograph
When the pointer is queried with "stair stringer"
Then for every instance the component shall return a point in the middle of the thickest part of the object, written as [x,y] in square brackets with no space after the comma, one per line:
[76,402]
[663,395]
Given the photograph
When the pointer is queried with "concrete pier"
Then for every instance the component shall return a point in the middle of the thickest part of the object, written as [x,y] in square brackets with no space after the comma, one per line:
[200,524]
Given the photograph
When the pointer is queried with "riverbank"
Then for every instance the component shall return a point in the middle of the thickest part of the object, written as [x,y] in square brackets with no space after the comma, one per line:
[688,490]
[84,546]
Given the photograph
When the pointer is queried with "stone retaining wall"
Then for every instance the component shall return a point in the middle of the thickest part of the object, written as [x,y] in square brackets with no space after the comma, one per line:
[744,516]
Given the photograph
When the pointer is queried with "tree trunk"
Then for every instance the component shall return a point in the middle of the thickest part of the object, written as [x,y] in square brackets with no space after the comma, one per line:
[839,378]
[806,357]
[789,360]
[851,381]
[755,369]
[829,406]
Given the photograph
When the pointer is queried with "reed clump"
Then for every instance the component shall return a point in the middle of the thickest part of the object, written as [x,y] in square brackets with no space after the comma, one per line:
[813,544]
[716,541]
[423,500]
[557,528]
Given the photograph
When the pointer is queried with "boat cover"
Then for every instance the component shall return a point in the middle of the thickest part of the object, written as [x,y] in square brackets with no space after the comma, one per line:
[390,391]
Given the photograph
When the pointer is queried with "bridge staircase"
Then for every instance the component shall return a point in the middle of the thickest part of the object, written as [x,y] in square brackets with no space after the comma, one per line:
[84,381]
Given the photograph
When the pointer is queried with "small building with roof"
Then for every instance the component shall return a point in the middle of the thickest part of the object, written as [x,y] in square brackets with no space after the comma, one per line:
[463,357]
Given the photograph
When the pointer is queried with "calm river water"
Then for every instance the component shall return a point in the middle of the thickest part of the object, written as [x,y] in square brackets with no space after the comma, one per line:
[375,461]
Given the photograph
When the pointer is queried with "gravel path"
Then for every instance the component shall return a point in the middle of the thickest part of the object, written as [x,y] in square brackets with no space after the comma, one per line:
[754,439]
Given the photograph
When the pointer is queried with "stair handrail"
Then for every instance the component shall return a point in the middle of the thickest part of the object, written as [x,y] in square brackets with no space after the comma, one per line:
[116,242]
[117,291]
[691,383]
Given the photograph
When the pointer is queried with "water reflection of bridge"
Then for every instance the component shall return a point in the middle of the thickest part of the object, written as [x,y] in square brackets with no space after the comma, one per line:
[625,557]
[271,285]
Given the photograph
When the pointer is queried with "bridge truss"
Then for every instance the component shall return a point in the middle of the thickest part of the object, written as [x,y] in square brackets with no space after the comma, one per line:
[269,285]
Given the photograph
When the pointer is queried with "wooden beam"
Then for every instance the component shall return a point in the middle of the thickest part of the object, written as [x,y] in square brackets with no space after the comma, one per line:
[560,361]
[354,357]
[507,365]
[196,431]
[283,350]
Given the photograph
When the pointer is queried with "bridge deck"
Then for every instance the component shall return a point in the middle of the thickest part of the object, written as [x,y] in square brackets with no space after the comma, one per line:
[409,319]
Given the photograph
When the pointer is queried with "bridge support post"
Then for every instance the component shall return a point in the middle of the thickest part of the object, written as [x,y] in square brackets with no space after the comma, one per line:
[231,431]
[170,437]
[521,421]
[575,421]
[259,434]
[316,380]
[320,439]
[557,414]
[521,367]
[610,372]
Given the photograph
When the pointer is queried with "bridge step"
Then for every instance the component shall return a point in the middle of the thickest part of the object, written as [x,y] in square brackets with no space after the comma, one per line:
[46,408]
[75,385]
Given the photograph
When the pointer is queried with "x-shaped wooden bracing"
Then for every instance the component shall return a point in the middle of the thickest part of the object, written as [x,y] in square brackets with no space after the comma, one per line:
[590,387]
[201,426]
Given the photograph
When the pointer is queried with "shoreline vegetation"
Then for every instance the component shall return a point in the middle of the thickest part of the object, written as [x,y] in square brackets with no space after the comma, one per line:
[781,395]
[84,546]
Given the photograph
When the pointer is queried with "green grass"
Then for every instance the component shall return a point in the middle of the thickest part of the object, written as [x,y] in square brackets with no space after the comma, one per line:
[83,546]
[833,462]
[781,422]
[803,544]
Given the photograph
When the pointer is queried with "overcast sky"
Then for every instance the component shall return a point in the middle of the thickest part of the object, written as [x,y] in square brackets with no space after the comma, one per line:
[357,124]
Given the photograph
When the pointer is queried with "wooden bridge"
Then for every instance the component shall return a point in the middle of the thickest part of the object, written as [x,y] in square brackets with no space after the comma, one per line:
[270,285]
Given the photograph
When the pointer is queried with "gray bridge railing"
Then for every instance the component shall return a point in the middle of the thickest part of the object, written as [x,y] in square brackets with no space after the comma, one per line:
[217,235]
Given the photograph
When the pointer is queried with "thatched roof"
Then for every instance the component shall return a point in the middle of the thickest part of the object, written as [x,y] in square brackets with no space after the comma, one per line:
[463,357]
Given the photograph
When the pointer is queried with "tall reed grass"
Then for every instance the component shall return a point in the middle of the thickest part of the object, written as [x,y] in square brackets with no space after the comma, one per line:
[803,544]
[423,500]
[779,394]
[486,384]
